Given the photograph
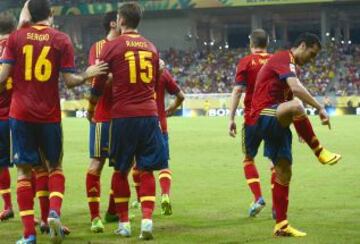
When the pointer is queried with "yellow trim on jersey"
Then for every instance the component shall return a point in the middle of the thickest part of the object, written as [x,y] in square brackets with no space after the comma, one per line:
[98,48]
[40,27]
[254,180]
[132,35]
[93,199]
[147,199]
[26,213]
[42,194]
[165,175]
[56,194]
[5,191]
[121,199]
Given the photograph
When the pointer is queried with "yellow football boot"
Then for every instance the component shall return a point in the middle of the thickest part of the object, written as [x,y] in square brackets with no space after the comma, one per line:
[288,231]
[328,158]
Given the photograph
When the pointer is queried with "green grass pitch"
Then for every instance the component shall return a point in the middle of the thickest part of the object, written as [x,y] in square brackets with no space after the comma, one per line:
[210,196]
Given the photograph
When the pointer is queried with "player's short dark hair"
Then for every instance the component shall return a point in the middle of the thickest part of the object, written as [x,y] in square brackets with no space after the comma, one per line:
[259,38]
[309,39]
[132,14]
[7,23]
[39,10]
[108,18]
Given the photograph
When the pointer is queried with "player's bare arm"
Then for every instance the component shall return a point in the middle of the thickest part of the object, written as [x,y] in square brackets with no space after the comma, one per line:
[304,95]
[4,74]
[72,80]
[179,98]
[25,17]
[234,103]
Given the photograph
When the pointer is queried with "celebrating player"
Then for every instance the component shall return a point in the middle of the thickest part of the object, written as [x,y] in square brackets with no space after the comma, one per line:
[135,131]
[36,55]
[7,25]
[246,73]
[166,84]
[99,135]
[273,111]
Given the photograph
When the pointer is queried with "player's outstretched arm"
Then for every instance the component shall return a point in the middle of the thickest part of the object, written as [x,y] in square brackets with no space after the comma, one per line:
[25,16]
[179,99]
[304,95]
[5,73]
[234,103]
[72,80]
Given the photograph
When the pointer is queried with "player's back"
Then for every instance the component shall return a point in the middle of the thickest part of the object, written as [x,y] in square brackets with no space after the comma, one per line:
[271,87]
[247,71]
[39,53]
[134,63]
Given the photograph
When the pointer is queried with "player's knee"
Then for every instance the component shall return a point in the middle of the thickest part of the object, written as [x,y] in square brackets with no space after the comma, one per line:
[96,166]
[298,107]
[283,174]
[24,172]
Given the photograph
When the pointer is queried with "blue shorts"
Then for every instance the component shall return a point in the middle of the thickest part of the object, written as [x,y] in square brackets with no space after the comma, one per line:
[29,139]
[166,141]
[278,140]
[99,140]
[5,144]
[138,138]
[251,140]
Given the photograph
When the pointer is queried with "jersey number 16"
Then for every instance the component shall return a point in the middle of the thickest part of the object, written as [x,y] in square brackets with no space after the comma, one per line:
[43,66]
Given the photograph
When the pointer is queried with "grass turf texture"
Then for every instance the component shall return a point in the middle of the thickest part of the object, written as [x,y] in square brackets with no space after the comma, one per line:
[210,196]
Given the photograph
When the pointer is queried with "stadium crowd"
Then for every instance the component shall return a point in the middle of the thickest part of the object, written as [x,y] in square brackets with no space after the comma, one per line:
[335,71]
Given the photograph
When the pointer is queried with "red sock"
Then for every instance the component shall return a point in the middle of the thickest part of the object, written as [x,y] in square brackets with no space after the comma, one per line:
[93,193]
[281,201]
[273,176]
[305,131]
[165,181]
[5,190]
[112,206]
[56,189]
[25,199]
[42,192]
[136,179]
[147,194]
[252,178]
[121,190]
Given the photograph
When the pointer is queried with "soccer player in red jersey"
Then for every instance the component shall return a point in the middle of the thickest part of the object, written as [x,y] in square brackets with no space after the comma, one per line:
[7,25]
[275,109]
[166,84]
[246,73]
[135,131]
[99,135]
[36,55]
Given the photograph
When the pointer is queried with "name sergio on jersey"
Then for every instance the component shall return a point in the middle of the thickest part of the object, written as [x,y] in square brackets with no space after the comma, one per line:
[37,37]
[136,44]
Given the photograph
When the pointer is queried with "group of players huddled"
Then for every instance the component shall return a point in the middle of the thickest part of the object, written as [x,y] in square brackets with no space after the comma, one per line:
[128,119]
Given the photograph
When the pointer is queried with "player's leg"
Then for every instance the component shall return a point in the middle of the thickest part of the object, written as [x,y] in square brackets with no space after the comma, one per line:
[165,178]
[251,142]
[51,145]
[42,193]
[272,183]
[5,179]
[136,179]
[24,155]
[123,136]
[294,112]
[151,155]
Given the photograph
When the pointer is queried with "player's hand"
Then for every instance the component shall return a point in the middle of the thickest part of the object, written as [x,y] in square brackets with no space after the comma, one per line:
[97,69]
[232,128]
[170,111]
[324,117]
[90,115]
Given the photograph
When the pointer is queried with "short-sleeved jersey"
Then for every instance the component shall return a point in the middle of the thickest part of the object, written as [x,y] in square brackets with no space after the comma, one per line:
[103,107]
[134,64]
[38,54]
[246,73]
[271,87]
[166,84]
[5,96]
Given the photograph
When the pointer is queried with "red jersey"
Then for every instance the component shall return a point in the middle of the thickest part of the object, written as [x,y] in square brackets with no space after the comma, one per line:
[246,73]
[166,84]
[271,87]
[103,107]
[134,64]
[5,96]
[38,54]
